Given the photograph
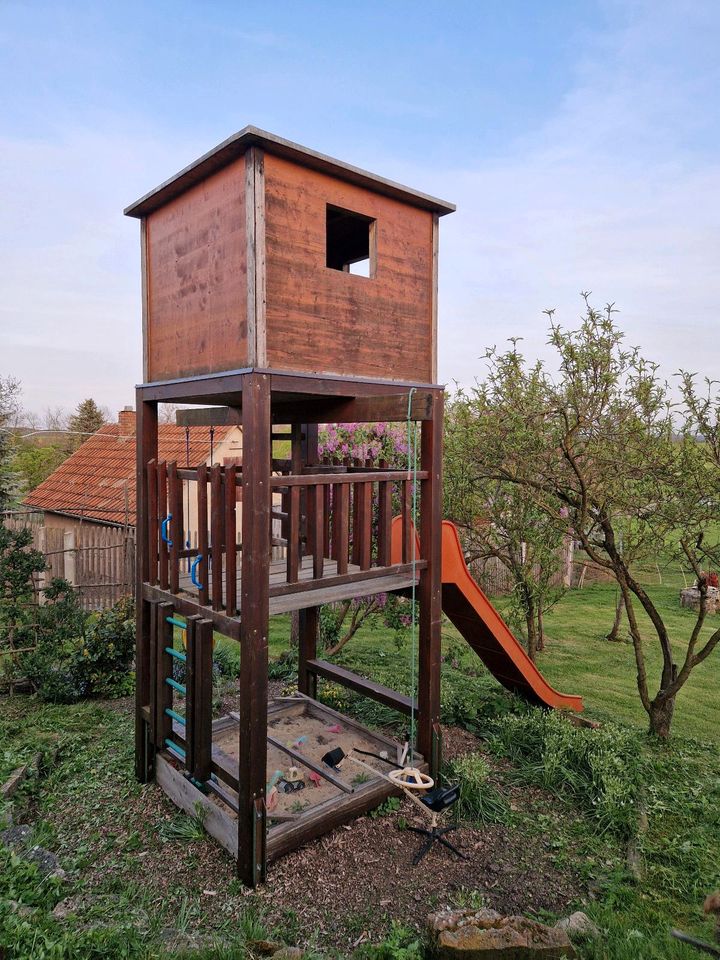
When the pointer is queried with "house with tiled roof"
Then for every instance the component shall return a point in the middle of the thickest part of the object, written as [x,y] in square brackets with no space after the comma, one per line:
[96,484]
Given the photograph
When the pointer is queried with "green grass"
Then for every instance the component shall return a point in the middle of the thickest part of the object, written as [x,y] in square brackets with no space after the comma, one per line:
[579,660]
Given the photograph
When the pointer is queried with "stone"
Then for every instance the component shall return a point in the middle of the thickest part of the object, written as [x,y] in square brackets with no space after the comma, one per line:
[288,953]
[16,837]
[578,926]
[487,935]
[266,948]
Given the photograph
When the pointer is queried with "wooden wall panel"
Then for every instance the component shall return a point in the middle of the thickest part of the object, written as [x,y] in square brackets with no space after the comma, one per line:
[322,320]
[196,279]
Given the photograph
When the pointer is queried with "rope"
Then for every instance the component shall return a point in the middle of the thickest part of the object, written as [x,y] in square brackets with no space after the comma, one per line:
[412,469]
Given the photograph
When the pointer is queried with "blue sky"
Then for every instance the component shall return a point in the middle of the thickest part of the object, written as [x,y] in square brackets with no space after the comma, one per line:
[579,141]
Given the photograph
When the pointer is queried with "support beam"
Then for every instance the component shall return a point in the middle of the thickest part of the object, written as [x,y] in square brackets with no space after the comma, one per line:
[254,616]
[146,449]
[429,591]
[390,408]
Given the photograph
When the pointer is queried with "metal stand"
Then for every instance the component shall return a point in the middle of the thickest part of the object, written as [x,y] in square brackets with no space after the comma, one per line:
[435,835]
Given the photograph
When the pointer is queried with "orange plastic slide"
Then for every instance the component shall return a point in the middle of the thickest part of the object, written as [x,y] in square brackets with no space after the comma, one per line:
[485,630]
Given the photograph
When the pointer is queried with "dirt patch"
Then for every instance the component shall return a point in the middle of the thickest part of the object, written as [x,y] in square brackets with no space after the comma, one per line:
[340,890]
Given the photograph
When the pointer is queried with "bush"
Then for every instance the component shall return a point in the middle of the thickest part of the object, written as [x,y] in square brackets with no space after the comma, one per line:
[479,801]
[599,768]
[79,657]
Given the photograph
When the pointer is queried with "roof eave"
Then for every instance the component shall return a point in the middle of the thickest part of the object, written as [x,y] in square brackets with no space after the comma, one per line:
[237,144]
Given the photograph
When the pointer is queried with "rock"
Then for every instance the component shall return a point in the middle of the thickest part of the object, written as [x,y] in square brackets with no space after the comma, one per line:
[266,948]
[69,907]
[175,941]
[17,839]
[20,909]
[288,953]
[578,926]
[487,935]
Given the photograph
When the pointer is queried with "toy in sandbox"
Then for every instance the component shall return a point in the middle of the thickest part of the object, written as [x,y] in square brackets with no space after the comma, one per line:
[283,289]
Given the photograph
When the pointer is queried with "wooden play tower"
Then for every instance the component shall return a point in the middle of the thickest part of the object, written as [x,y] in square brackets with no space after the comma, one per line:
[282,290]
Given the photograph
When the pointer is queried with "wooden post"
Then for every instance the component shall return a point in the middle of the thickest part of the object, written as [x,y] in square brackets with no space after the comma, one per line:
[254,616]
[146,448]
[429,593]
[308,619]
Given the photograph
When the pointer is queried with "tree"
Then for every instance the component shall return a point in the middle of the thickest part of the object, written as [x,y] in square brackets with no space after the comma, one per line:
[87,419]
[9,406]
[635,478]
[500,519]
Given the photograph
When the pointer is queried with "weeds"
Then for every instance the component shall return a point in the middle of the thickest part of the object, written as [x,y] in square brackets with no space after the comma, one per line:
[479,801]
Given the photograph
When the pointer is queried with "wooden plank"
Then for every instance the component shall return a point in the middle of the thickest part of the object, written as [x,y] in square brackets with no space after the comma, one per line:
[209,417]
[384,523]
[177,525]
[203,568]
[368,688]
[220,825]
[365,526]
[361,476]
[293,535]
[341,530]
[230,540]
[355,320]
[344,591]
[146,450]
[254,614]
[201,237]
[260,262]
[191,684]
[327,816]
[202,709]
[217,514]
[163,669]
[162,491]
[307,762]
[251,257]
[429,592]
[317,495]
[359,577]
[308,631]
[229,626]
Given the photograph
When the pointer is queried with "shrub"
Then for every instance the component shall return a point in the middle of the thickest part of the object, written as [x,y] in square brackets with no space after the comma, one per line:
[479,801]
[599,768]
[79,657]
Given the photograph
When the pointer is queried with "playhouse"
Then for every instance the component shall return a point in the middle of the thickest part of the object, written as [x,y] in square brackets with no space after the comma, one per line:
[282,289]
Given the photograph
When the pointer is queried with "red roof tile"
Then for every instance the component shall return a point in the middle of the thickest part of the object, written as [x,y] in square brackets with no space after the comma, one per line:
[98,481]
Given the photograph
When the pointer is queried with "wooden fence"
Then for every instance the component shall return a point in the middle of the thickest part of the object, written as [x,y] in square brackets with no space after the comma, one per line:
[98,561]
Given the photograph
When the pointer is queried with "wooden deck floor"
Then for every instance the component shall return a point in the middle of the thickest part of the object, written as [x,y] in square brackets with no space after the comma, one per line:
[324,590]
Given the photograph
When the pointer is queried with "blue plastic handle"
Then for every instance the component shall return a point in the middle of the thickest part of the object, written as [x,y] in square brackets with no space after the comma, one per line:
[164,529]
[193,569]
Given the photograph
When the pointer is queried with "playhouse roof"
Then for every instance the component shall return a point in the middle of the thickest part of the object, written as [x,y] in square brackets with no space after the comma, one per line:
[236,145]
[97,482]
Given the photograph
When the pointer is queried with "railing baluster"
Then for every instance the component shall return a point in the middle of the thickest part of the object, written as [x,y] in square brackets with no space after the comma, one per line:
[384,522]
[153,526]
[203,568]
[177,525]
[163,512]
[230,540]
[319,533]
[341,531]
[216,527]
[293,537]
[365,526]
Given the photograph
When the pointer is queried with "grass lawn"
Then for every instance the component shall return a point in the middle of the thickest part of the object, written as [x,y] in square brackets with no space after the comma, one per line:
[143,881]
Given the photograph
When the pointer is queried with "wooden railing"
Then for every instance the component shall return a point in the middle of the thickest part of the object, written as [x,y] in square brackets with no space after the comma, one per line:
[335,522]
[348,518]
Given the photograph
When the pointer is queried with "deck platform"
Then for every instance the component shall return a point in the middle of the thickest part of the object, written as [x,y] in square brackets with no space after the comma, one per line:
[308,591]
